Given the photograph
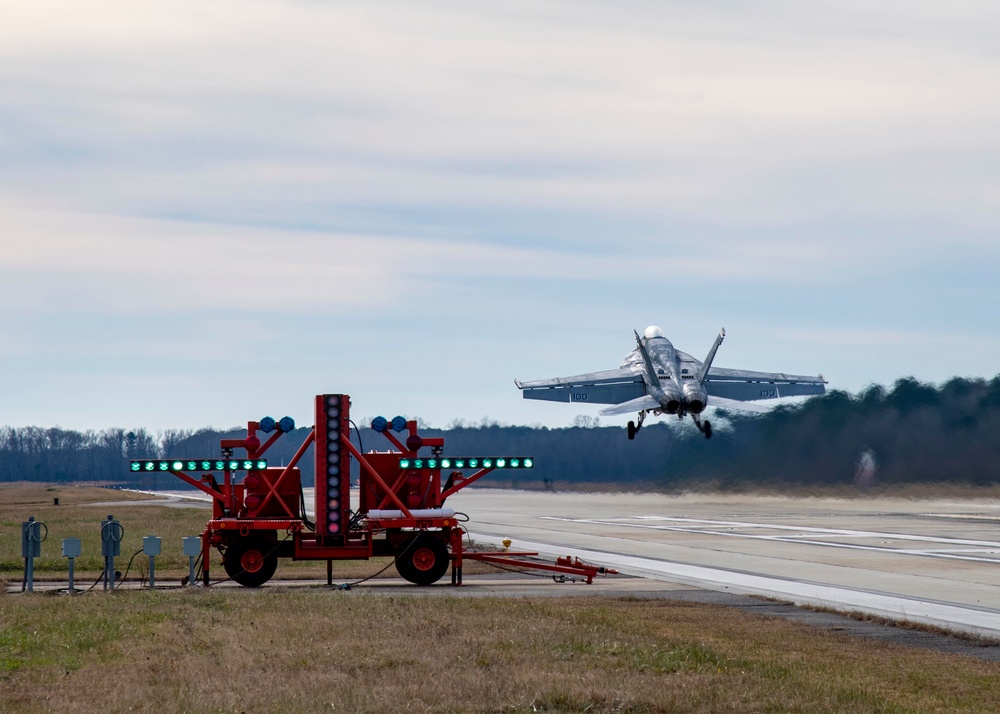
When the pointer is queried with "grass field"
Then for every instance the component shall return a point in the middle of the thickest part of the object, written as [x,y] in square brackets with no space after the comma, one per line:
[319,650]
[279,650]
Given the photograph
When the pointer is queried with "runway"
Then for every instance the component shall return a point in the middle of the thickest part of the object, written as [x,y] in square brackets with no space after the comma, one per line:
[930,561]
[934,561]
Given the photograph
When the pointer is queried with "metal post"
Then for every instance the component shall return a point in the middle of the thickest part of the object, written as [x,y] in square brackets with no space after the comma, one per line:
[192,549]
[31,548]
[29,562]
[71,549]
[151,547]
[111,545]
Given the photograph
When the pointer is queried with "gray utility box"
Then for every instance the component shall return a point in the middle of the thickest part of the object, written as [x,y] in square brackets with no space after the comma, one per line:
[71,548]
[192,546]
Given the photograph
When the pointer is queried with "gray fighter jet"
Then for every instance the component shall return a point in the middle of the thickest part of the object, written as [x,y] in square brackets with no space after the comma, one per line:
[656,378]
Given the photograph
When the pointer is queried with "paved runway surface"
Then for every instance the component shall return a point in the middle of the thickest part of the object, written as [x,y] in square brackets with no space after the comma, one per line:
[930,561]
[935,561]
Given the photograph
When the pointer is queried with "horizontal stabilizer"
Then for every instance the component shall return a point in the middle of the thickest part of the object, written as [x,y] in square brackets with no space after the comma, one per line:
[735,405]
[633,405]
[611,386]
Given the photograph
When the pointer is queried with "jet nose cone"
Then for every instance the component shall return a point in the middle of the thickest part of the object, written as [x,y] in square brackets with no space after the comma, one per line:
[652,331]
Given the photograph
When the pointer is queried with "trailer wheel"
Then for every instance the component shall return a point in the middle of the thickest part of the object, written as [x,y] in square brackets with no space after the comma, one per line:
[424,561]
[250,561]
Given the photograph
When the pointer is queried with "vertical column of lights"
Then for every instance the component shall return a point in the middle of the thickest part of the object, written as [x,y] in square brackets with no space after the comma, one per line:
[333,464]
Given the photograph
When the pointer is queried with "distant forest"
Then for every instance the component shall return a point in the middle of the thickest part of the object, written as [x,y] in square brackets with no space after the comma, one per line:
[913,432]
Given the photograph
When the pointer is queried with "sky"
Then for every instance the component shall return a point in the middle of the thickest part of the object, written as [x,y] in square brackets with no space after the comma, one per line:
[212,211]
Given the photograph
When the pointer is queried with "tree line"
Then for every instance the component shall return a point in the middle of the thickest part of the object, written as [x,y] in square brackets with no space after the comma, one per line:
[911,432]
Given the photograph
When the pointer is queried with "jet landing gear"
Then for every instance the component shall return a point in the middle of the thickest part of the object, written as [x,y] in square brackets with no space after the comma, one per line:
[633,428]
[704,427]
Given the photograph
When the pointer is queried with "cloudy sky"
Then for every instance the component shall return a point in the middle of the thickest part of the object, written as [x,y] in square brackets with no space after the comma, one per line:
[212,211]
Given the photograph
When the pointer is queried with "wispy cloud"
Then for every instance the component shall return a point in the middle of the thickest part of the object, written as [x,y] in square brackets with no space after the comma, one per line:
[511,167]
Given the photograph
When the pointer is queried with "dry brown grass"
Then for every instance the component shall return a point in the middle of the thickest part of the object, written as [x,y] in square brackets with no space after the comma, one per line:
[79,515]
[311,651]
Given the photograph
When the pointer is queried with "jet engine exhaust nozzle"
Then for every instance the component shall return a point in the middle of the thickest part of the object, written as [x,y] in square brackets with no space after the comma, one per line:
[695,398]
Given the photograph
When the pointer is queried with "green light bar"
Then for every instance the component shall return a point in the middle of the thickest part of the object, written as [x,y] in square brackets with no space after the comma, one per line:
[167,465]
[468,462]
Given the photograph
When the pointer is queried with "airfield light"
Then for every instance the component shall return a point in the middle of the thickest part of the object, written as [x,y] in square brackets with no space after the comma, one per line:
[197,464]
[398,423]
[468,462]
[333,465]
[267,424]
[380,424]
[286,424]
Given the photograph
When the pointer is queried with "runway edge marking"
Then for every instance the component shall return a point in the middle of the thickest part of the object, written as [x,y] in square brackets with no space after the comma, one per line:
[978,621]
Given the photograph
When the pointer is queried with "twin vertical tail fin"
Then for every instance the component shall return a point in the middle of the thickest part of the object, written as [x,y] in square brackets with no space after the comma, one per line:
[654,380]
[707,365]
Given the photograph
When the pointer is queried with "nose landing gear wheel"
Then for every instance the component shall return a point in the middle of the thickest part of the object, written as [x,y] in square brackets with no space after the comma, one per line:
[425,560]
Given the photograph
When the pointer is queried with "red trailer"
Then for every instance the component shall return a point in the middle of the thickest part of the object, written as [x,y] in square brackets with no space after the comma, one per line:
[400,508]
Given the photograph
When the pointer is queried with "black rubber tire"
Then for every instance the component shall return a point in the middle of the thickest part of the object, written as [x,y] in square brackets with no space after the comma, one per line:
[708,429]
[424,560]
[631,430]
[250,561]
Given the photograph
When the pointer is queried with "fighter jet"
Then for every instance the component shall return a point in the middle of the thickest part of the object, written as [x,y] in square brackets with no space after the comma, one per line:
[657,379]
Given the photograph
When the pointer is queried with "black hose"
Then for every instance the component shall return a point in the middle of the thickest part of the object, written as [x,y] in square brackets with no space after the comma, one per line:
[127,568]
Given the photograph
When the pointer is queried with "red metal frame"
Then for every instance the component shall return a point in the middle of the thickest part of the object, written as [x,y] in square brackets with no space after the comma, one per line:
[240,509]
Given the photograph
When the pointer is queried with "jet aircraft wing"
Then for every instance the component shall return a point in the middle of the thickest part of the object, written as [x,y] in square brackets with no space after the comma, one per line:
[745,385]
[612,386]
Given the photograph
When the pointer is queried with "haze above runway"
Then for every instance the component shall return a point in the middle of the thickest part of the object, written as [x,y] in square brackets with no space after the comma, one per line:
[935,561]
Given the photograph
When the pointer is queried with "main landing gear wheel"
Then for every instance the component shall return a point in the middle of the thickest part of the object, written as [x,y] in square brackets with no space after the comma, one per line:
[250,561]
[633,428]
[424,561]
[707,431]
